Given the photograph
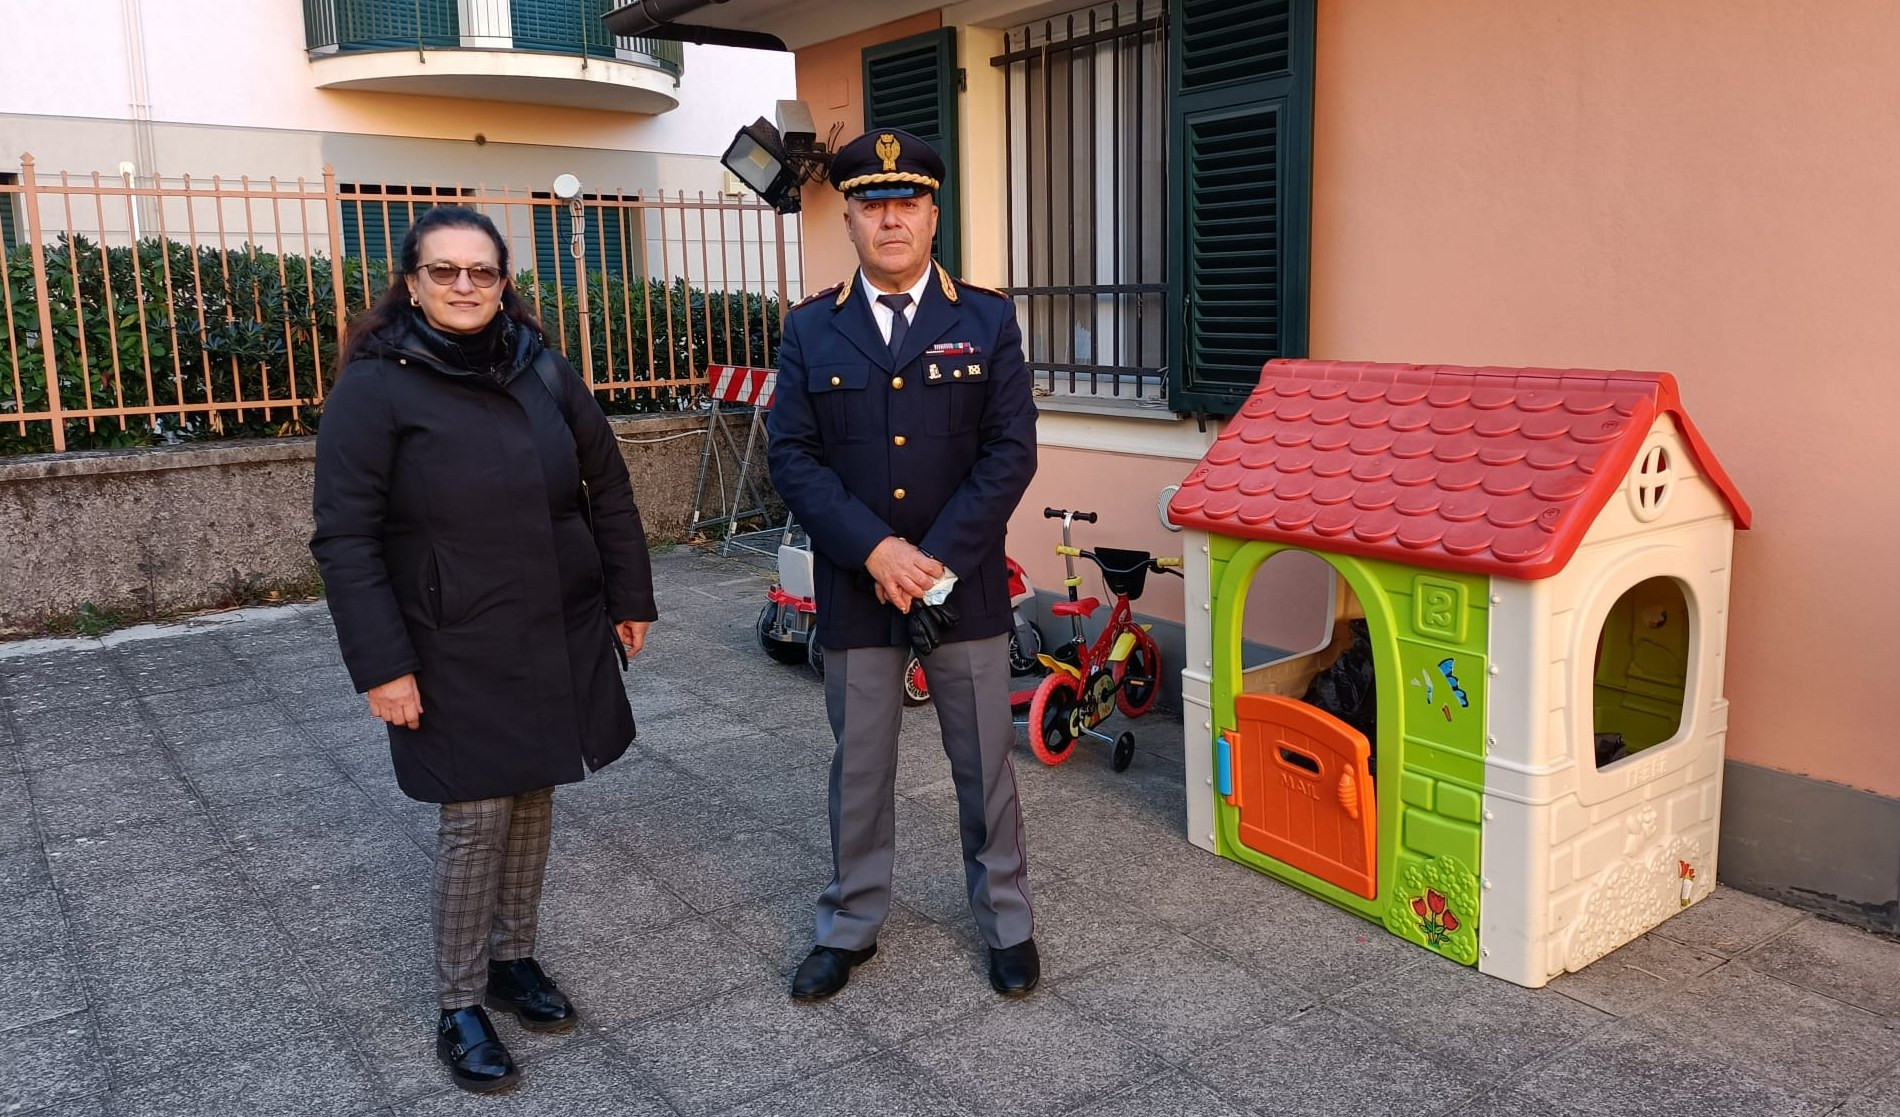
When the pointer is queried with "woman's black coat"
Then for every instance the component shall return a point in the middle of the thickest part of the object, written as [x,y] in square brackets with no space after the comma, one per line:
[452,539]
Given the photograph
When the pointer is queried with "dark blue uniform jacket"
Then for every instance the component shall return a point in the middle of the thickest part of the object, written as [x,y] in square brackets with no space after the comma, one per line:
[935,443]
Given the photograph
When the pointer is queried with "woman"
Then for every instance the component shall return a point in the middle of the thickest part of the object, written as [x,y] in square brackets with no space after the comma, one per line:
[484,562]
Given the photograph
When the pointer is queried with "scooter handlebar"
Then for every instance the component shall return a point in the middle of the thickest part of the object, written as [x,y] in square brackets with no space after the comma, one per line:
[1058,513]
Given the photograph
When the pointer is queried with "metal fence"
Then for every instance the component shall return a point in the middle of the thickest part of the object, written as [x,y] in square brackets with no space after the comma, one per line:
[138,313]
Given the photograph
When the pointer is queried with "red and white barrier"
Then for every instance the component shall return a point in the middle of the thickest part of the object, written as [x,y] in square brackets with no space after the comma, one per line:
[739,384]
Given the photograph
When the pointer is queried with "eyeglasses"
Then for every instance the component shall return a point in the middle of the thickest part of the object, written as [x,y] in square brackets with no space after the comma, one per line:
[481,275]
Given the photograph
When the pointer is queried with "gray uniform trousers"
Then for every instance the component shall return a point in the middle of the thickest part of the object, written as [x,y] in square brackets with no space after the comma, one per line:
[491,859]
[969,686]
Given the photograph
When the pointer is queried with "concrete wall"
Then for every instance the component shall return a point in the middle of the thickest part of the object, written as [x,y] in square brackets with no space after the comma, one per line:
[831,83]
[154,532]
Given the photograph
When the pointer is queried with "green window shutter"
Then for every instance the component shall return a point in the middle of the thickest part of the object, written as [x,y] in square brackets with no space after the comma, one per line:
[561,26]
[552,255]
[1242,142]
[912,84]
[374,224]
[9,221]
[374,219]
[394,24]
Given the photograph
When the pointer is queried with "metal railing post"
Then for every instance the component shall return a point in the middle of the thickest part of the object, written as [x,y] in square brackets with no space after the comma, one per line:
[55,407]
[333,217]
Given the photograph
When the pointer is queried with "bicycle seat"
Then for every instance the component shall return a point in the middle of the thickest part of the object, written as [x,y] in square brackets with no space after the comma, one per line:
[1083,608]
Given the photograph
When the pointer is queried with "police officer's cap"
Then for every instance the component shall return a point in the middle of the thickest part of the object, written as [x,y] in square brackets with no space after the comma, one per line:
[886,163]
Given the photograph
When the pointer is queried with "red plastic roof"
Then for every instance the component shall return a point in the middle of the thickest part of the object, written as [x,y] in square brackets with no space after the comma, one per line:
[1487,470]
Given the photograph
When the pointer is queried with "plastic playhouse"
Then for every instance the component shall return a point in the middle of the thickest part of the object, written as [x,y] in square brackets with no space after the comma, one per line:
[1532,567]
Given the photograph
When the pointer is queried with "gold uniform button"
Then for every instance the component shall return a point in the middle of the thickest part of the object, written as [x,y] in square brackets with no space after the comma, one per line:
[897,382]
[900,440]
[835,381]
[897,494]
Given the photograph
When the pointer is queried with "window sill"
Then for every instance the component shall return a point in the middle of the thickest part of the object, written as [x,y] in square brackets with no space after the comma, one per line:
[1076,403]
[1119,426]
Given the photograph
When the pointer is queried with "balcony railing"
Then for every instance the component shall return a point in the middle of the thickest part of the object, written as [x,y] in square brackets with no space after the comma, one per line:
[570,27]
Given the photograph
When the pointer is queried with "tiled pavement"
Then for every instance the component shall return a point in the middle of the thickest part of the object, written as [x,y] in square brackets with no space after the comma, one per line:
[214,902]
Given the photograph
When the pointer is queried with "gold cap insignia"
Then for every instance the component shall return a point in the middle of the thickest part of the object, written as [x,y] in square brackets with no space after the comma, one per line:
[888,150]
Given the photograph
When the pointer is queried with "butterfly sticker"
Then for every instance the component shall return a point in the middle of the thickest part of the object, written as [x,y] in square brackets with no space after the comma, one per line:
[1445,668]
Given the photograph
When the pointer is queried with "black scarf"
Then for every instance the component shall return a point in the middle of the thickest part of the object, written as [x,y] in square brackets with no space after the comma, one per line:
[497,352]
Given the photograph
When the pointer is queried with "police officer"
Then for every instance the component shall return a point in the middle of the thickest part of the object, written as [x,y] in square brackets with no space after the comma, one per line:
[903,433]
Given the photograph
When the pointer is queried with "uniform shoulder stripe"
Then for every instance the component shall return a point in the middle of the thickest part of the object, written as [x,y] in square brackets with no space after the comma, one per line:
[812,298]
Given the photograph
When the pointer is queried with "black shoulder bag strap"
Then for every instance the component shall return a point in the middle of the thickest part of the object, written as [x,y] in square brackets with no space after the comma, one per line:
[550,373]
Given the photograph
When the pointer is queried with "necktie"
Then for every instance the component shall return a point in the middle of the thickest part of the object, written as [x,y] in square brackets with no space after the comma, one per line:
[899,324]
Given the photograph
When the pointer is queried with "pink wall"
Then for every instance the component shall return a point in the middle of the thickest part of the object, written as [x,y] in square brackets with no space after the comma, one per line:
[1704,187]
[1707,187]
[1121,489]
[831,83]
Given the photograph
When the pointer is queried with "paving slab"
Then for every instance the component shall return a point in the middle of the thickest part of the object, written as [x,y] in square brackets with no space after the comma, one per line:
[1179,998]
[704,1065]
[1795,1039]
[205,814]
[1632,976]
[1323,1063]
[1843,963]
[1027,1058]
[51,1064]
[1464,1018]
[1635,1073]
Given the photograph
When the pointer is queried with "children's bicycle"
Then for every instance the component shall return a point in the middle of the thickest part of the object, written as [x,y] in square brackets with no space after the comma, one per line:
[1121,669]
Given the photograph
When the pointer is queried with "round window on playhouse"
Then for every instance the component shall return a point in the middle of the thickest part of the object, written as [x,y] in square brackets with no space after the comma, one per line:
[1652,482]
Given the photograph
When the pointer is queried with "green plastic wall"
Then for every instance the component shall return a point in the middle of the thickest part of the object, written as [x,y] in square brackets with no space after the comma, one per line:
[1428,631]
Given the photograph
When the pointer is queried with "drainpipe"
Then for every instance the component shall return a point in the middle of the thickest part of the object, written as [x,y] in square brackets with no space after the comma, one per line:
[642,16]
[144,142]
[656,19]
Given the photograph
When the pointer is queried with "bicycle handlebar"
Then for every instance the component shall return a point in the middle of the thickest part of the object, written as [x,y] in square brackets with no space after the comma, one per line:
[1058,513]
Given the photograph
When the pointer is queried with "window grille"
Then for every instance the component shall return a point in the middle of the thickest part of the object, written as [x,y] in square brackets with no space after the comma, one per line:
[1087,106]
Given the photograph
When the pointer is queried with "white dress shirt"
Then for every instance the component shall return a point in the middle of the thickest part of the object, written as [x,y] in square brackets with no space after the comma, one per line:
[882,313]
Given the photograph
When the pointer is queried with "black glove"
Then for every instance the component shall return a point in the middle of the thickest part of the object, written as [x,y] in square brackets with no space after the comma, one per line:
[929,624]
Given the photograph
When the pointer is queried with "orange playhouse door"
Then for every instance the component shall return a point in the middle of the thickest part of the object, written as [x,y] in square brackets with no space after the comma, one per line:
[1300,781]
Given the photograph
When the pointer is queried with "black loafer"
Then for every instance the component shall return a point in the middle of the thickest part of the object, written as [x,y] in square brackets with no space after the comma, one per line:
[467,1044]
[519,987]
[1014,970]
[825,970]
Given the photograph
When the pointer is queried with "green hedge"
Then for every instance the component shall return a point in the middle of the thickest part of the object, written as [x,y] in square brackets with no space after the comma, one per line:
[618,309]
[249,317]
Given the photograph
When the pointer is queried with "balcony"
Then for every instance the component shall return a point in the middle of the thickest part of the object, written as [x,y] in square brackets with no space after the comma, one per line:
[541,52]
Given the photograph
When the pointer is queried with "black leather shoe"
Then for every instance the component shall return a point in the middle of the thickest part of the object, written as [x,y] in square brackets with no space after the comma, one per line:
[825,970]
[467,1044]
[519,987]
[1014,970]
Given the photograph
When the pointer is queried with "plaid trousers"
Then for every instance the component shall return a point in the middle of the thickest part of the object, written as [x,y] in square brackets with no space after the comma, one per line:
[491,858]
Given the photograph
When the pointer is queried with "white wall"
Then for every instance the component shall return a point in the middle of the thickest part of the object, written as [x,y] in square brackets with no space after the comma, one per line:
[241,64]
